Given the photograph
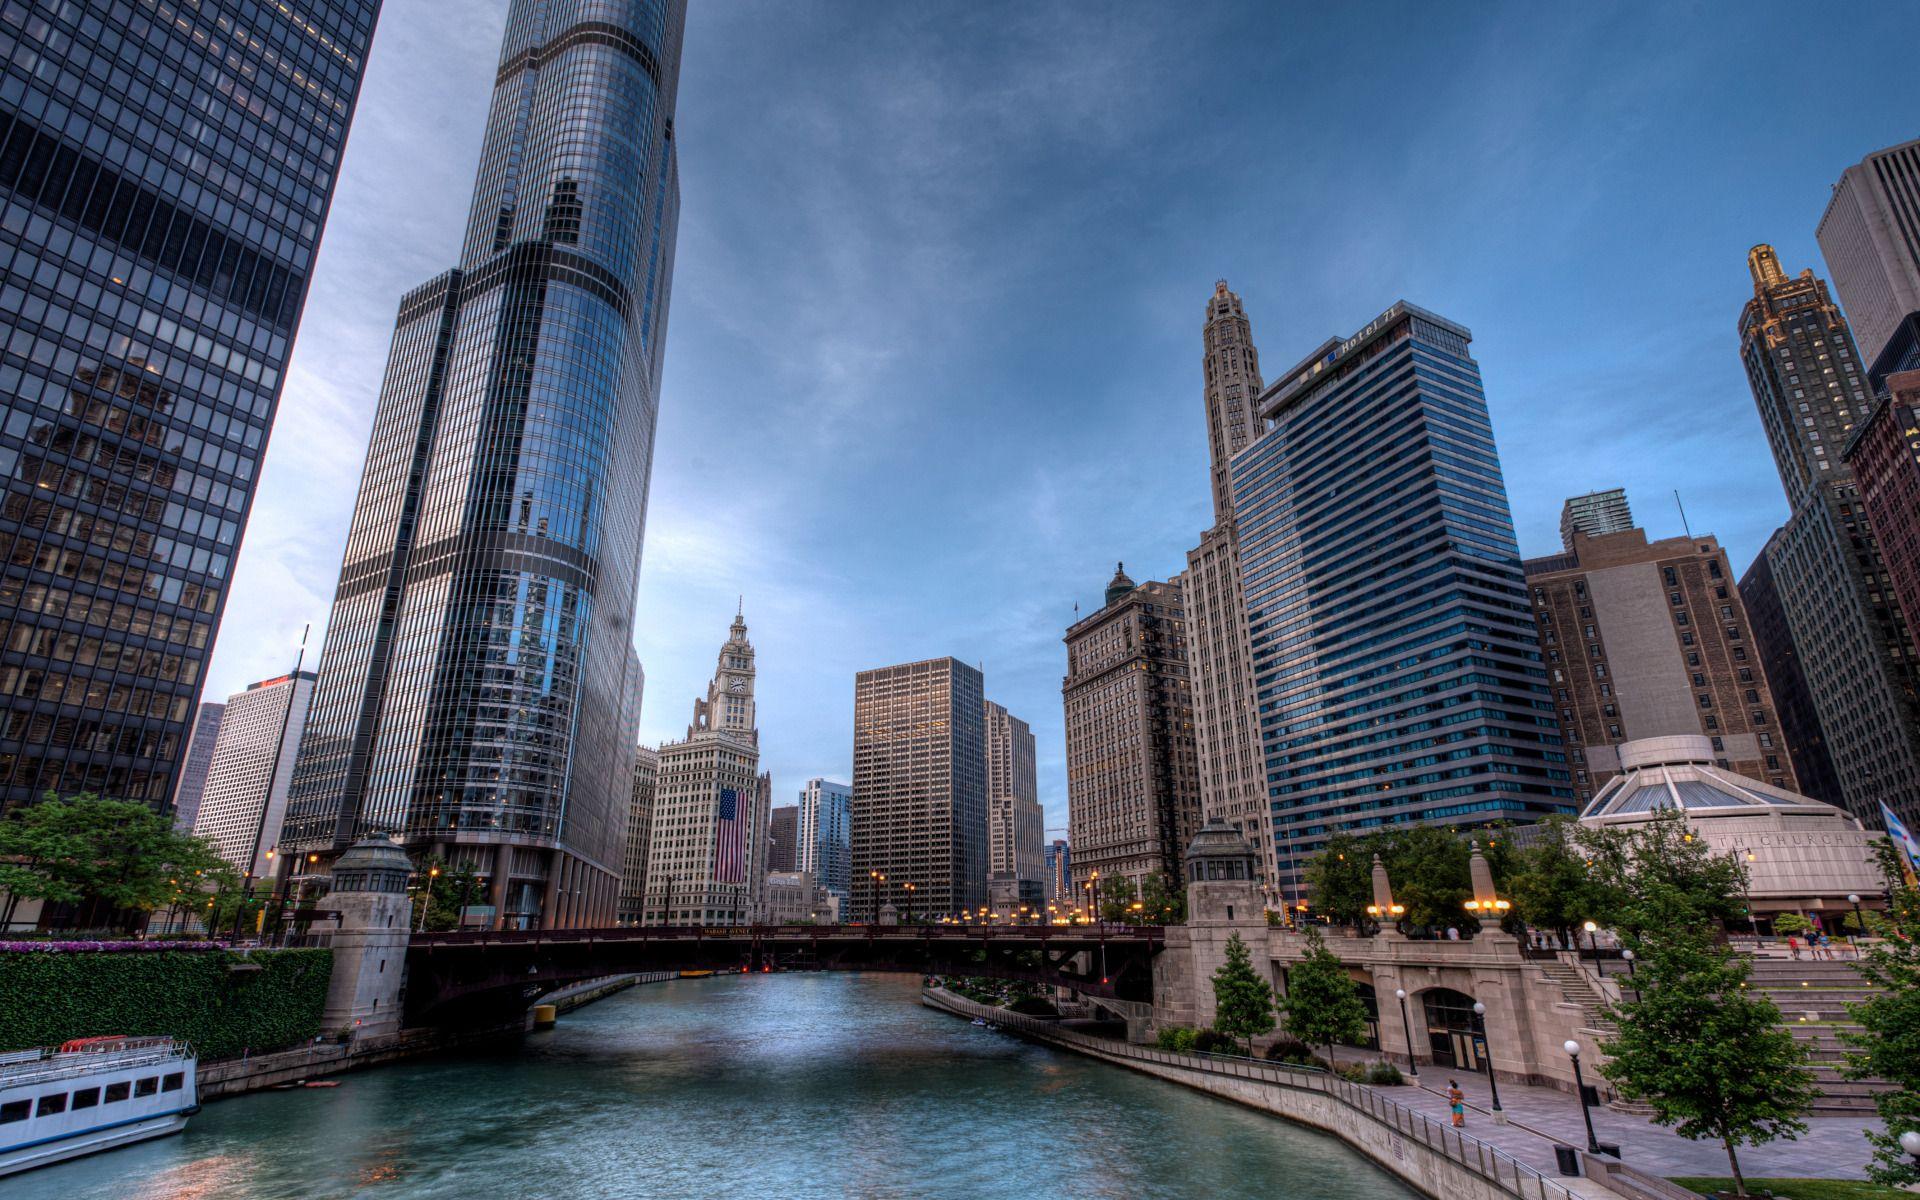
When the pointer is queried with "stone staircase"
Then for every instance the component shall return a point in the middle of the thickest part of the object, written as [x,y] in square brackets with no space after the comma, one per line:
[1578,989]
[1812,996]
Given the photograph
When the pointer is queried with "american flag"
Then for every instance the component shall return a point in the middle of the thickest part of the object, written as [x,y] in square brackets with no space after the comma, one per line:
[730,865]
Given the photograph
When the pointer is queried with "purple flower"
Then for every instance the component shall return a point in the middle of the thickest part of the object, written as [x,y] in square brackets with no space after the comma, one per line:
[105,947]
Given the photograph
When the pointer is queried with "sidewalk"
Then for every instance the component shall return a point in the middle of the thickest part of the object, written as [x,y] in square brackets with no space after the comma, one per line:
[1832,1147]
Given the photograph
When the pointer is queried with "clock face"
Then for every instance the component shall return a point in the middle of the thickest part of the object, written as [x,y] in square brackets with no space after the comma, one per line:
[737,684]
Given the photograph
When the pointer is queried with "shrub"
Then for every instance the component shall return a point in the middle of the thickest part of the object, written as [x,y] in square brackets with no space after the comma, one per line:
[1385,1074]
[1033,1006]
[1354,1072]
[1177,1039]
[1288,1049]
[48,997]
[1212,1041]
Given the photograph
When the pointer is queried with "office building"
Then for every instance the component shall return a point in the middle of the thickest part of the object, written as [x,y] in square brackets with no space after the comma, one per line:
[1884,456]
[919,789]
[1792,700]
[478,679]
[760,847]
[1133,787]
[1870,237]
[709,831]
[193,767]
[783,839]
[1219,658]
[1650,639]
[633,867]
[245,800]
[1016,828]
[1397,672]
[165,175]
[826,837]
[1059,871]
[1837,603]
[1594,514]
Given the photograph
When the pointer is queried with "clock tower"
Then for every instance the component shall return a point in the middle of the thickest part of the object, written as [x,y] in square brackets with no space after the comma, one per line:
[728,707]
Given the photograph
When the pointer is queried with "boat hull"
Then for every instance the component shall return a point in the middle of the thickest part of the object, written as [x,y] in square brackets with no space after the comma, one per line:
[90,1141]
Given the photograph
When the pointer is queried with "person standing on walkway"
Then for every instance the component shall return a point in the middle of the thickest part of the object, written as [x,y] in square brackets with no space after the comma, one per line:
[1457,1103]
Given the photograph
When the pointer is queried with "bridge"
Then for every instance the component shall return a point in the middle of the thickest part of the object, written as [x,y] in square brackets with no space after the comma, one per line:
[480,976]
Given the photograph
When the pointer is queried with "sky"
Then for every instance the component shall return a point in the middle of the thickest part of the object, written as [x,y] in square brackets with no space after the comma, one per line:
[933,363]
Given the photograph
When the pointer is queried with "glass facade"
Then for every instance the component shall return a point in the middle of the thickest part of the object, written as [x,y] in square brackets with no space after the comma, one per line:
[165,172]
[1397,672]
[473,686]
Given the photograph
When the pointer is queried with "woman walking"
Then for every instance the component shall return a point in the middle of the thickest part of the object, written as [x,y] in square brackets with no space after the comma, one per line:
[1457,1103]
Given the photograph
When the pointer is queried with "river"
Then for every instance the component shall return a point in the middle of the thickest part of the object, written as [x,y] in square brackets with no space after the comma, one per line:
[800,1085]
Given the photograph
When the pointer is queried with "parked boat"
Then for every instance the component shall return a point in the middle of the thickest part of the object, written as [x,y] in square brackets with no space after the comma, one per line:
[92,1094]
[695,974]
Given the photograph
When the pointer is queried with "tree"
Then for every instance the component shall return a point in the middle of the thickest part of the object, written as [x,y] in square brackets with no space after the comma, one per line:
[451,890]
[1661,857]
[1431,876]
[1242,1000]
[1551,887]
[1340,879]
[1888,1044]
[1711,1058]
[1116,898]
[1163,900]
[111,857]
[1323,1006]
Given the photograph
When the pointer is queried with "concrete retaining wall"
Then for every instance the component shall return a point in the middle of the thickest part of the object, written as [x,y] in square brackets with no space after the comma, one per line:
[1436,1161]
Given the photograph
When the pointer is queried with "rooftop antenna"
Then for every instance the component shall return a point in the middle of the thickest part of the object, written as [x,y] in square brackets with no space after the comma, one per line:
[1683,514]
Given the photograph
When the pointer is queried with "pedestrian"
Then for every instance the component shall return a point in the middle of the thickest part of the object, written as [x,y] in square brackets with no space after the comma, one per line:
[1453,935]
[1793,945]
[1457,1103]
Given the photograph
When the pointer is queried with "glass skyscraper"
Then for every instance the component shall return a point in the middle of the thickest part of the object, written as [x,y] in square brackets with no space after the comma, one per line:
[165,172]
[1398,677]
[473,693]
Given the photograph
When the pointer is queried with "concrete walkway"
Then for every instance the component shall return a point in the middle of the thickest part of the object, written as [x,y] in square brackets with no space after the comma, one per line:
[1538,1117]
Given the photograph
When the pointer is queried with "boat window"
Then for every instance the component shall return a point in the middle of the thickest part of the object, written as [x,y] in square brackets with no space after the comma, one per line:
[118,1091]
[14,1110]
[172,1082]
[86,1097]
[147,1086]
[56,1103]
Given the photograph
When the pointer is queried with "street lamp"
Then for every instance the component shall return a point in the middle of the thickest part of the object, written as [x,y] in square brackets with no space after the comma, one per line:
[433,873]
[1859,921]
[910,889]
[1406,1027]
[1628,956]
[1580,1089]
[1910,1142]
[1593,943]
[1493,1080]
[1746,893]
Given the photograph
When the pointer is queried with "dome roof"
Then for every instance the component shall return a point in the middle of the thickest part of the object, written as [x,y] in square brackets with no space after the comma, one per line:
[1673,773]
[372,864]
[1218,851]
[1120,585]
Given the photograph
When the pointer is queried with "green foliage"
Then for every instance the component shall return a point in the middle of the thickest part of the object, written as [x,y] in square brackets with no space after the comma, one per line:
[1385,1074]
[1117,895]
[1289,1049]
[1323,1006]
[1242,1000]
[1710,1058]
[450,888]
[1550,885]
[1033,1006]
[48,997]
[1660,871]
[1788,924]
[1177,1039]
[1798,1189]
[1888,1044]
[110,857]
[1340,878]
[1163,901]
[1428,867]
[1214,1041]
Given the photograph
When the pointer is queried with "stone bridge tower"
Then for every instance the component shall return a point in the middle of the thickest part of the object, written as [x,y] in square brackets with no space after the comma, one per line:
[1223,898]
[370,948]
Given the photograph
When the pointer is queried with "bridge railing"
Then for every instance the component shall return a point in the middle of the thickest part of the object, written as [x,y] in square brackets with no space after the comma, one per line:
[1487,1161]
[1079,934]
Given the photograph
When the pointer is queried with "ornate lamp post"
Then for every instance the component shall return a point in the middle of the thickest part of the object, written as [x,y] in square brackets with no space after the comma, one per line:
[1493,1079]
[1910,1142]
[1406,1028]
[1580,1090]
[910,889]
[1593,943]
[1859,921]
[433,873]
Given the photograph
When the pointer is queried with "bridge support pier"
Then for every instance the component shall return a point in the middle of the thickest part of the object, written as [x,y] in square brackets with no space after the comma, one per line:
[370,948]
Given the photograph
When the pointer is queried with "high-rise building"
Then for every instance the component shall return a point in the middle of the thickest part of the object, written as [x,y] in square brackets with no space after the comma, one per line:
[709,831]
[1016,827]
[1594,514]
[1397,672]
[919,788]
[826,837]
[1849,636]
[1884,456]
[193,767]
[783,838]
[478,673]
[633,868]
[165,174]
[1799,725]
[1059,870]
[1870,236]
[1650,639]
[1133,788]
[1220,659]
[245,799]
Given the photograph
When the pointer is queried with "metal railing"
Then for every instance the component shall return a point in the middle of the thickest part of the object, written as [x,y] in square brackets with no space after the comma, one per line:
[1094,933]
[47,1065]
[1488,1162]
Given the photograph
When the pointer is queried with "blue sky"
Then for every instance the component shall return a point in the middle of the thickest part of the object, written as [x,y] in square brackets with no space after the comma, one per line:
[934,355]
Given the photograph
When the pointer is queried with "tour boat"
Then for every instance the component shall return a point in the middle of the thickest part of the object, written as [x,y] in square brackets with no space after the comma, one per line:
[91,1094]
